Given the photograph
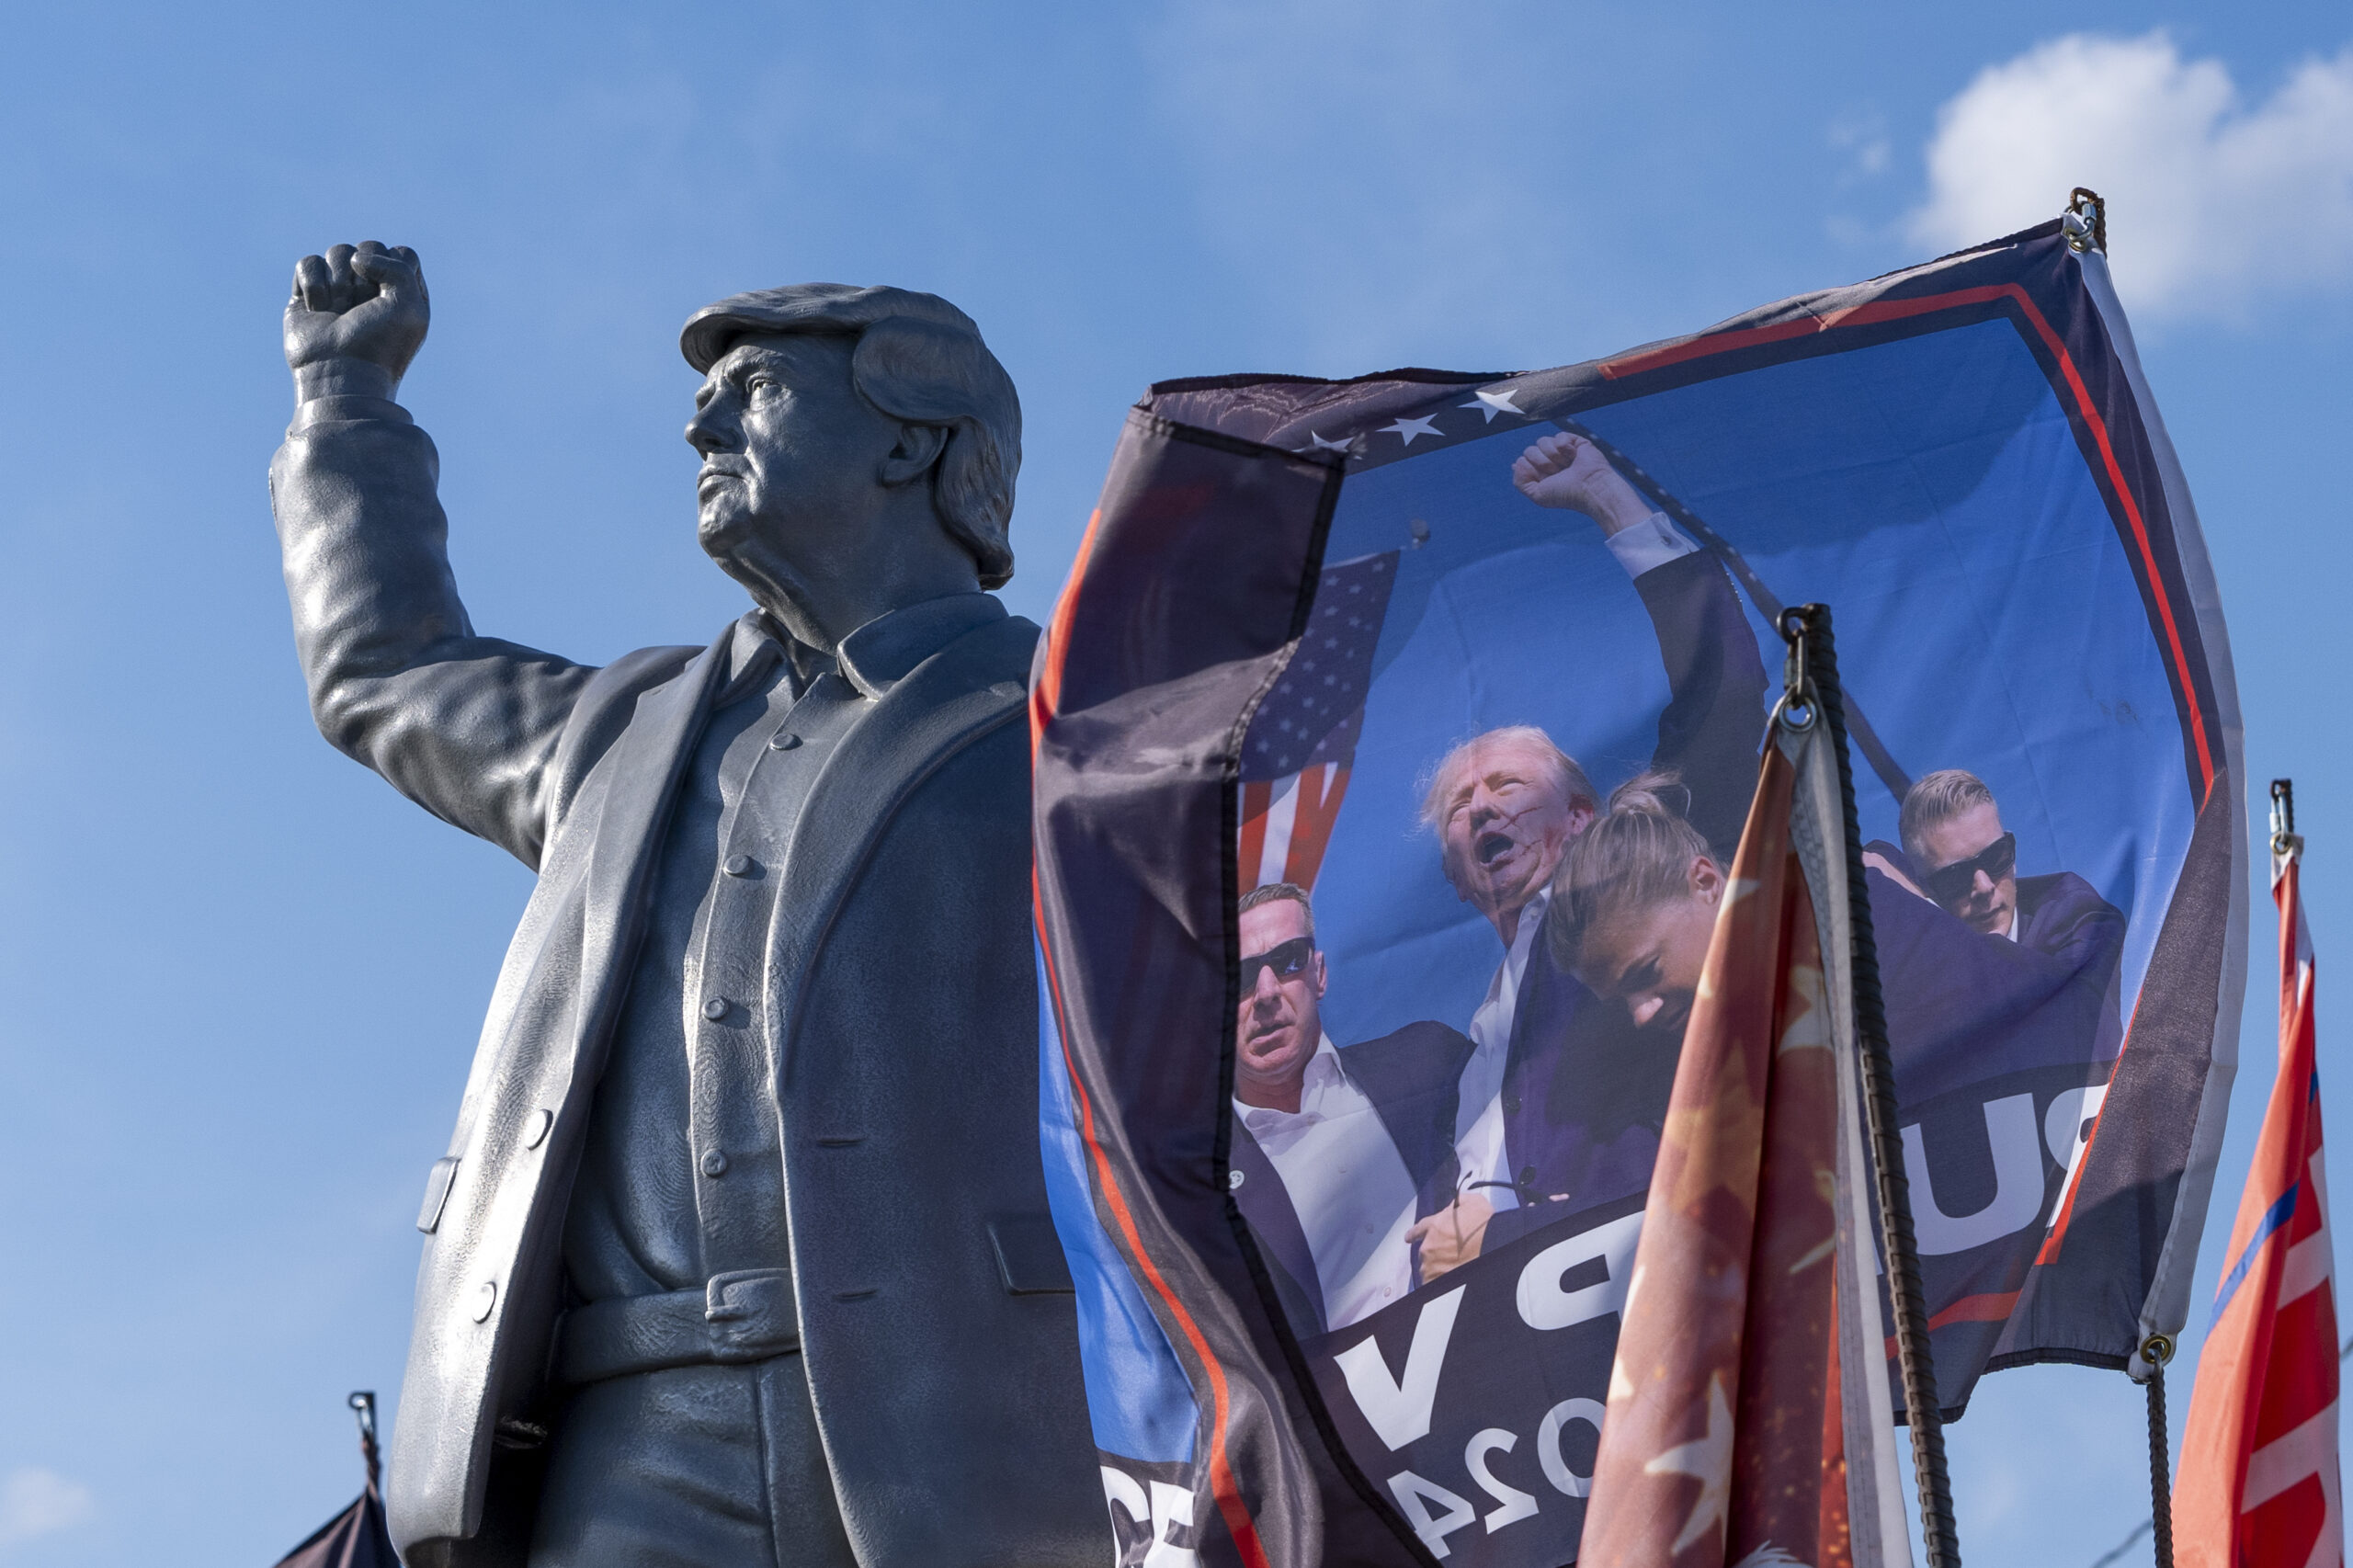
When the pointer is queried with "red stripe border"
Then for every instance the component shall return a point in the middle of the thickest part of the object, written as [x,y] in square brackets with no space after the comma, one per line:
[1044,700]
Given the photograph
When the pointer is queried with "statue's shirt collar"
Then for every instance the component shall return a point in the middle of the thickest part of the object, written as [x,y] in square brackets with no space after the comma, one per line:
[874,658]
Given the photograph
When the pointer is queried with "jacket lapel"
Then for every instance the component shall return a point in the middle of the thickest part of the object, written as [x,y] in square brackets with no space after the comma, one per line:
[946,703]
[643,774]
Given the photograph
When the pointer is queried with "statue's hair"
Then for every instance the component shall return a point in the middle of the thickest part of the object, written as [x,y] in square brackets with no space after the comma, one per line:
[1635,854]
[1567,778]
[917,359]
[1934,799]
[1270,891]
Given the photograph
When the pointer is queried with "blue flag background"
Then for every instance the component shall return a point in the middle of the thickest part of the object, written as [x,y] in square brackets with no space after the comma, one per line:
[1960,460]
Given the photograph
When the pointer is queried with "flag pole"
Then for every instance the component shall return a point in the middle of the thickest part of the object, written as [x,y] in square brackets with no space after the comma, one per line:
[1811,675]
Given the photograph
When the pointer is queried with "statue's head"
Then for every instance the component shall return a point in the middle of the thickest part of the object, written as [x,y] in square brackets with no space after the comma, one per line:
[850,437]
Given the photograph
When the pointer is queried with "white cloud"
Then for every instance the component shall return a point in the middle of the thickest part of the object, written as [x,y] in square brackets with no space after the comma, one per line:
[2212,203]
[36,1502]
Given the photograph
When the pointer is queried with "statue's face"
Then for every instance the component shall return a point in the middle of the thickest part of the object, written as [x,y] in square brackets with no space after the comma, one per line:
[792,459]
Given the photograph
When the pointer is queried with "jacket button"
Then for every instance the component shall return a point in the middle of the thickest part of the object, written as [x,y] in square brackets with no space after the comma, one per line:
[485,1298]
[783,740]
[715,1009]
[738,866]
[1233,1181]
[714,1165]
[1511,1104]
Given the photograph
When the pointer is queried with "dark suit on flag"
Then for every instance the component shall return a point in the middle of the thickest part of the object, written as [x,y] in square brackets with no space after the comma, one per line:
[1412,1078]
[1964,1007]
[1583,1090]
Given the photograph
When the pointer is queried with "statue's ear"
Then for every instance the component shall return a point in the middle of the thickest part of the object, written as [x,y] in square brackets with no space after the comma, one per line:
[917,451]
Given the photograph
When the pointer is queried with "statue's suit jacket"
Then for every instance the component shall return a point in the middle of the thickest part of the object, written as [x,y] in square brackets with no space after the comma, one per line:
[901,986]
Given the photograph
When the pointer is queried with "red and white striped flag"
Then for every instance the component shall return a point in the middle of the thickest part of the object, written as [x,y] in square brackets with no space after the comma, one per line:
[2259,1484]
[1747,1416]
[1304,737]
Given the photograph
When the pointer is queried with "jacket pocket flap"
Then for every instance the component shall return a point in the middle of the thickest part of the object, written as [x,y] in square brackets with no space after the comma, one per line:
[437,1192]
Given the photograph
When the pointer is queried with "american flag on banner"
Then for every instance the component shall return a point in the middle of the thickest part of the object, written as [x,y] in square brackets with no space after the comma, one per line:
[2260,1479]
[1303,739]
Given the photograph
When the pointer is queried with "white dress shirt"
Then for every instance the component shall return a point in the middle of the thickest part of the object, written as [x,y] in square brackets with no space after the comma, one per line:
[1347,1184]
[1479,1113]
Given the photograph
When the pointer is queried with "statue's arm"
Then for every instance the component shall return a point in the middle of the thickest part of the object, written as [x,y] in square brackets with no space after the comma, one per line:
[466,726]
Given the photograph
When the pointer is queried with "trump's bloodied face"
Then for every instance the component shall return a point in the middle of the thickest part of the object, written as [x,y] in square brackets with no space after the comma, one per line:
[1507,821]
[1280,1020]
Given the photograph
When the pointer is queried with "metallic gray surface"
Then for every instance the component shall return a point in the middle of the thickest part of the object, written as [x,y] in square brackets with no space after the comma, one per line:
[696,1467]
[885,1041]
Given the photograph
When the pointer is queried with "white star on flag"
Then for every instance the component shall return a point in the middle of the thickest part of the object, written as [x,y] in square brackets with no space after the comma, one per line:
[1493,403]
[1708,1458]
[1406,429]
[1319,443]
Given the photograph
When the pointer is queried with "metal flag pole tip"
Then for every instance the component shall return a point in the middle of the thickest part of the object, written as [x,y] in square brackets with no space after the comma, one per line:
[1797,710]
[2085,221]
[363,1408]
[2285,840]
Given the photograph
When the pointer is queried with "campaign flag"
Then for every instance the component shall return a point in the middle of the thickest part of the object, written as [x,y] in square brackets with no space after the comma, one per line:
[1352,1084]
[1727,1439]
[2259,1476]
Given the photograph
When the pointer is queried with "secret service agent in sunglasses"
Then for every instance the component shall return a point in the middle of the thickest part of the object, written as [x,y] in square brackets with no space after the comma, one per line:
[1950,885]
[1286,958]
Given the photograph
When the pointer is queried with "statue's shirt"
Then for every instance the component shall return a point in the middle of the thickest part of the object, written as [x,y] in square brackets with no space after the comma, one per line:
[682,1176]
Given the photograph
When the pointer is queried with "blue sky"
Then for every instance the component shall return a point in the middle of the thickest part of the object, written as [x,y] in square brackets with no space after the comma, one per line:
[240,980]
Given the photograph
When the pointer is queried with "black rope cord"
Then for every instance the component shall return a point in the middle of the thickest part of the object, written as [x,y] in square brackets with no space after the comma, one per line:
[1813,674]
[2160,1468]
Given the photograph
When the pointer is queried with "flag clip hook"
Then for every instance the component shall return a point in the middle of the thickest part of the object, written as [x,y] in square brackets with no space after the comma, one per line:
[363,1405]
[1799,706]
[2287,844]
[2085,222]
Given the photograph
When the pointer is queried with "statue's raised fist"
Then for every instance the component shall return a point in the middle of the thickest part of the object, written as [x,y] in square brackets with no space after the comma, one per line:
[357,316]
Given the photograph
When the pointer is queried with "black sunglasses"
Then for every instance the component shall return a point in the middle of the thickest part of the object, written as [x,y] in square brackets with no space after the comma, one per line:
[1286,958]
[1950,885]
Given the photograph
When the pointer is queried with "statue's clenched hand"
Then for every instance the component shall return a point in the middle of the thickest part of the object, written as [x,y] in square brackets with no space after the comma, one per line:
[358,317]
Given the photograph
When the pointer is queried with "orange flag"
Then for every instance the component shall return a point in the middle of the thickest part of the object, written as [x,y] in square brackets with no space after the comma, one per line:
[2259,1477]
[1734,1435]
